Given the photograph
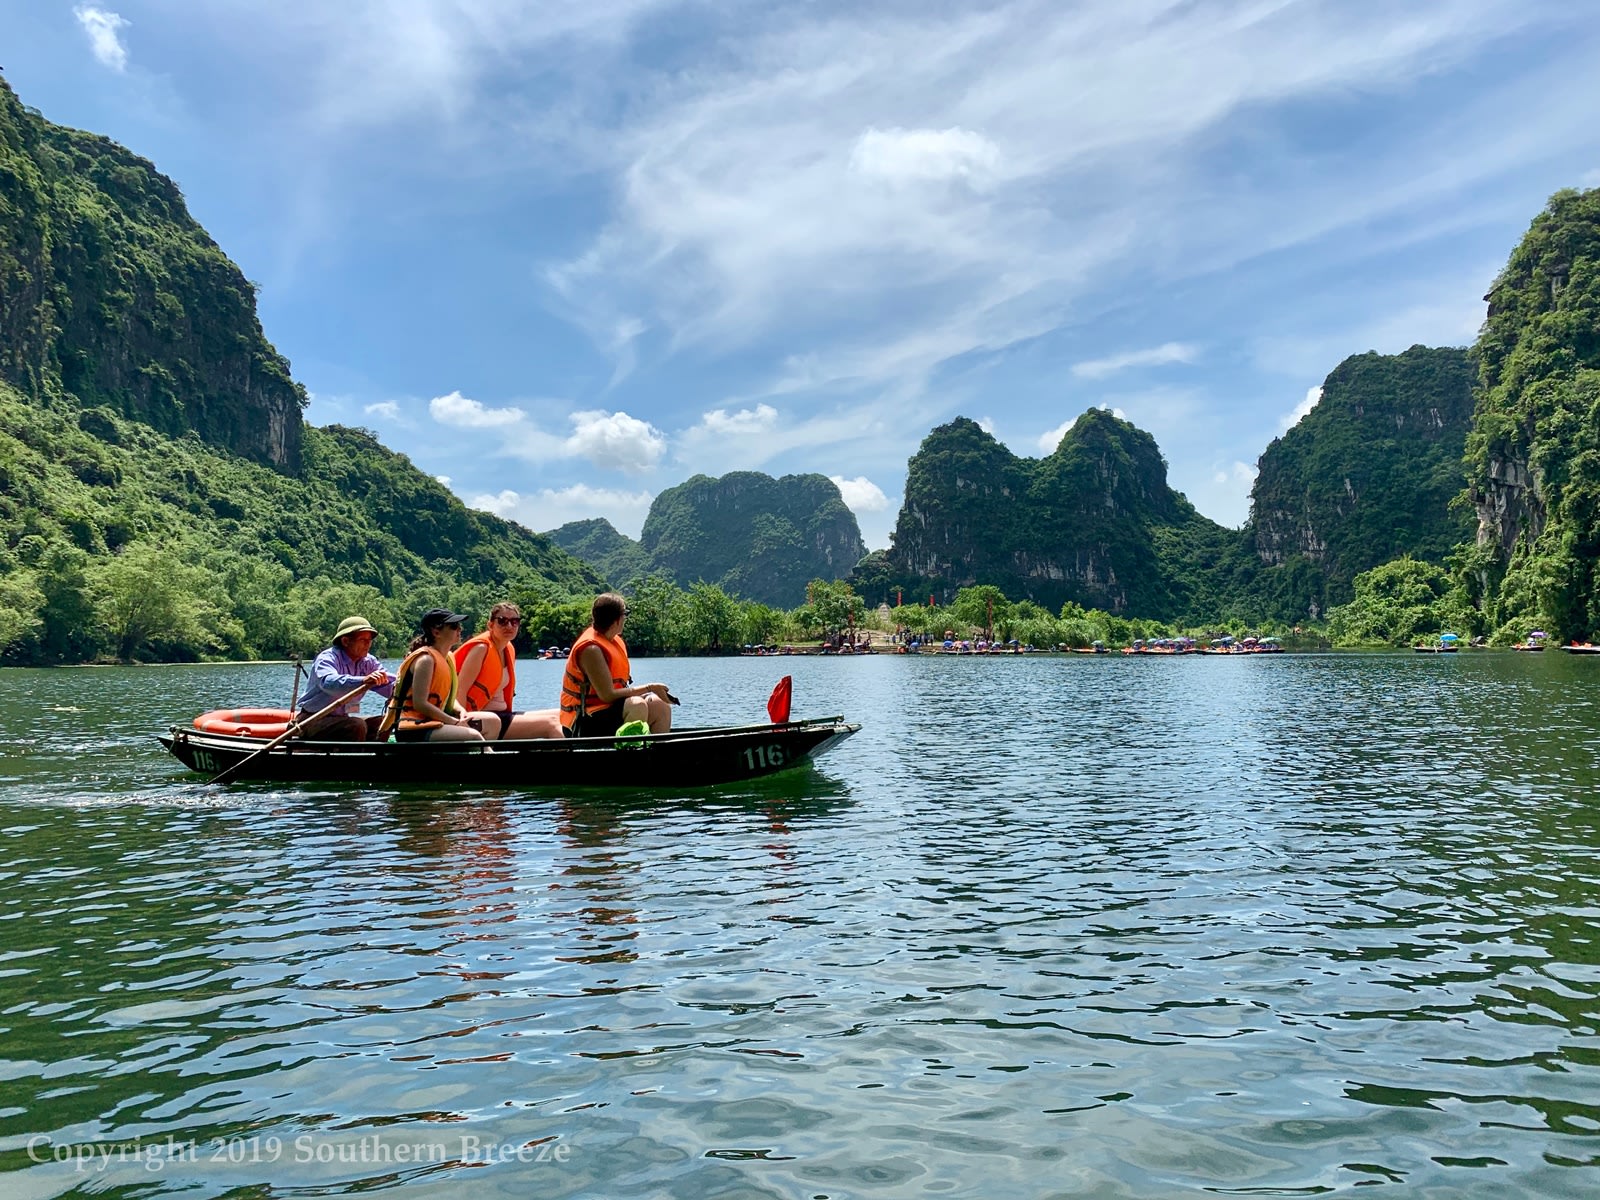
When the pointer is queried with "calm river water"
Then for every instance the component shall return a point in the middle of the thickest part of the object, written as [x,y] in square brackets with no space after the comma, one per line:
[1045,927]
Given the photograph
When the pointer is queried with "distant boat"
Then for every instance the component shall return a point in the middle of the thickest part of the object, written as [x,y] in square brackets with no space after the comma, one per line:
[1448,643]
[1581,648]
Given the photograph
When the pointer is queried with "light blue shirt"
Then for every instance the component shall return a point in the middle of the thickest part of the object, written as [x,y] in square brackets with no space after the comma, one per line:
[332,674]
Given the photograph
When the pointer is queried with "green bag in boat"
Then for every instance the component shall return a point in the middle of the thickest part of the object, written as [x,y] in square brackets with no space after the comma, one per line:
[631,729]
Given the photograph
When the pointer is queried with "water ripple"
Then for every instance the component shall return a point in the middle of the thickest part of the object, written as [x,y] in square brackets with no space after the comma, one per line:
[1269,926]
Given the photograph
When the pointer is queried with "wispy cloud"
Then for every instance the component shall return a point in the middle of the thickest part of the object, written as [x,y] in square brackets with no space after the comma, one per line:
[1156,356]
[791,194]
[901,156]
[719,422]
[550,508]
[387,409]
[610,440]
[105,38]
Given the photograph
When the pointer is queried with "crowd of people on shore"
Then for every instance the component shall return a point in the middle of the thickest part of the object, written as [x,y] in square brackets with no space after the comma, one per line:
[450,689]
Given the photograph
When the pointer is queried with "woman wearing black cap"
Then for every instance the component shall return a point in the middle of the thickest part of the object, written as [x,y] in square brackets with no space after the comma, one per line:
[426,693]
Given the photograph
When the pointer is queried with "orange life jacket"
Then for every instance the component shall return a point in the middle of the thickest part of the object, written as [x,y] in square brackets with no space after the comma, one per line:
[576,690]
[441,688]
[495,670]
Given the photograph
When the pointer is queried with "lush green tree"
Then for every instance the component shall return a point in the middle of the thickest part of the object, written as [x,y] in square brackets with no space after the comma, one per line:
[832,606]
[1396,603]
[21,602]
[983,606]
[712,619]
[657,615]
[917,619]
[149,593]
[71,630]
[258,596]
[763,625]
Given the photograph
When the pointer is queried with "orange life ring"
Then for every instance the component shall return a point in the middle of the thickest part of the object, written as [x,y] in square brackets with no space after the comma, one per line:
[246,722]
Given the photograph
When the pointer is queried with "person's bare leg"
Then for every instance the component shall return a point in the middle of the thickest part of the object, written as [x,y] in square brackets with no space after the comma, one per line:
[455,733]
[540,723]
[651,709]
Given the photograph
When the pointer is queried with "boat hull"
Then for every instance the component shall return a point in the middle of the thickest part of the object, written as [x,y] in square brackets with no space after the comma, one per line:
[683,758]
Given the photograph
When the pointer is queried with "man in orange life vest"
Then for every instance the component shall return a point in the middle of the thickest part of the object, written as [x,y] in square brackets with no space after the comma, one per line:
[597,690]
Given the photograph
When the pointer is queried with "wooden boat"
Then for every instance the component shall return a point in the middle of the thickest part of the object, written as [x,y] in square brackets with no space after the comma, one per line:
[683,758]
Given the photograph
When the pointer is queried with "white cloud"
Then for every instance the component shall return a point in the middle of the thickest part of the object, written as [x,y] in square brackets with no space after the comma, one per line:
[550,508]
[1292,418]
[861,494]
[922,155]
[610,440]
[444,479]
[1051,438]
[986,424]
[1156,356]
[104,40]
[759,419]
[616,440]
[387,409]
[456,409]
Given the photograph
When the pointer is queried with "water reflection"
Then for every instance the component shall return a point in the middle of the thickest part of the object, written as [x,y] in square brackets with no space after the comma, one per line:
[1246,927]
[596,876]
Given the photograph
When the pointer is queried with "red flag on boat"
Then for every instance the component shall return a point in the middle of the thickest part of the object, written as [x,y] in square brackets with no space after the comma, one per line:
[778,702]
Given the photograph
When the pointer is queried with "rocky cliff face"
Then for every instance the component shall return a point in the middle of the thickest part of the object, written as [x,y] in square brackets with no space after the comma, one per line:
[1080,524]
[756,537]
[1532,454]
[1369,473]
[111,292]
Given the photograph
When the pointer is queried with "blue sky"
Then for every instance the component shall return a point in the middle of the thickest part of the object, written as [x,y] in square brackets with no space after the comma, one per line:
[566,255]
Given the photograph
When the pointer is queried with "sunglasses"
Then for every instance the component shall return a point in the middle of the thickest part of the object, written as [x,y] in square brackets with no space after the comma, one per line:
[508,620]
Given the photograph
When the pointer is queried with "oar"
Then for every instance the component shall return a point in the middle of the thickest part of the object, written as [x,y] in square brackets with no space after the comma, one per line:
[227,773]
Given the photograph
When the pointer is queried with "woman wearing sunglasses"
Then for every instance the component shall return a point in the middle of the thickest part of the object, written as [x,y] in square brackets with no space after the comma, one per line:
[487,667]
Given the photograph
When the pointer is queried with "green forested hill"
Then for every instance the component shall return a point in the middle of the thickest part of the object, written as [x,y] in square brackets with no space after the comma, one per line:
[1367,475]
[1093,523]
[1534,451]
[110,292]
[756,537]
[614,556]
[160,493]
[118,540]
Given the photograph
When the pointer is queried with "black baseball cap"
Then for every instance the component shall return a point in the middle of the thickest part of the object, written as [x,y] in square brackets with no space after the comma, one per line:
[436,617]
